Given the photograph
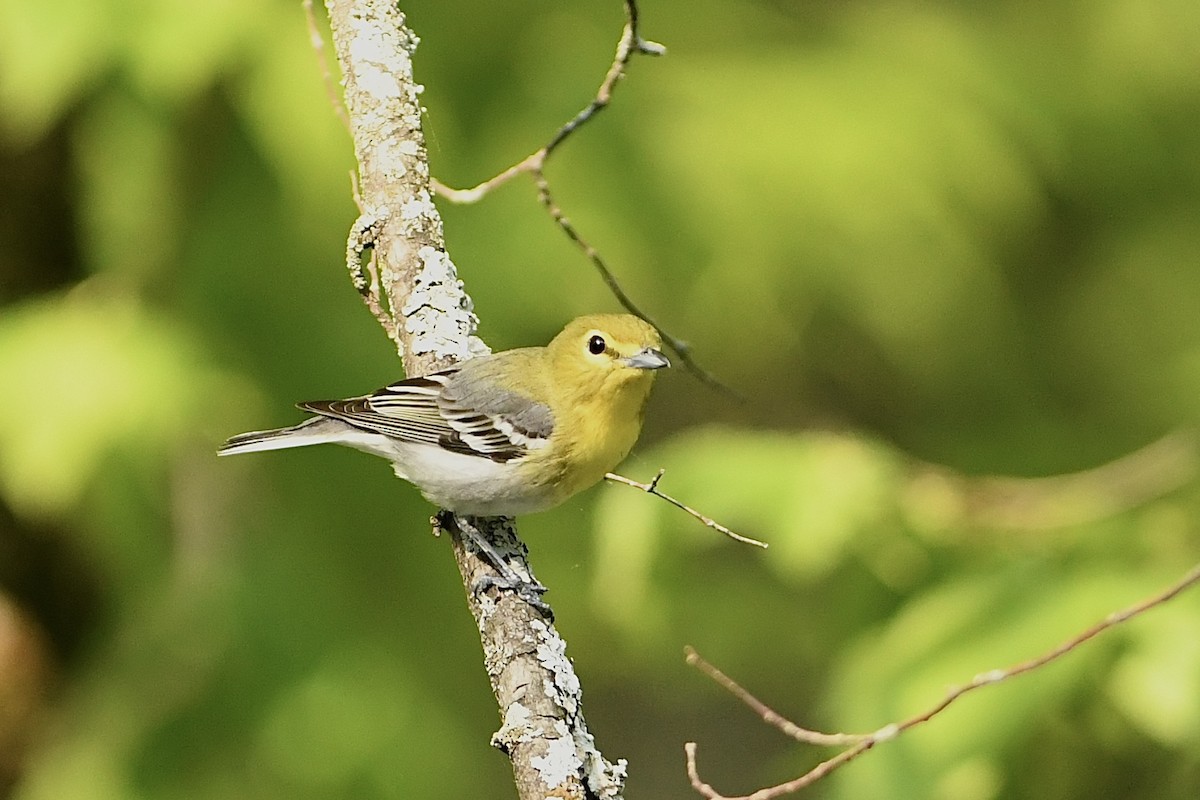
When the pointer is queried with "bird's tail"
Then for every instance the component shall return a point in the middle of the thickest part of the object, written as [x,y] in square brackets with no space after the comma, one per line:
[317,430]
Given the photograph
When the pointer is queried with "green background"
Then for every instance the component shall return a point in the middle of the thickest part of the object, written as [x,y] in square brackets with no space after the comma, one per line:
[945,252]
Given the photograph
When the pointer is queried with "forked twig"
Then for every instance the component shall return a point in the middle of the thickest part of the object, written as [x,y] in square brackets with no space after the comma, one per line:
[631,42]
[652,488]
[807,779]
[864,742]
[534,164]
[769,715]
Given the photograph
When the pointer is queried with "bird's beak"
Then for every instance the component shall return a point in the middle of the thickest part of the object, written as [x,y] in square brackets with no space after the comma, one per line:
[648,358]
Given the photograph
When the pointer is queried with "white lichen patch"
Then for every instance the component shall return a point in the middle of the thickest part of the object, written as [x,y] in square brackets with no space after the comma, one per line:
[420,208]
[436,312]
[560,762]
[517,727]
[379,83]
[393,170]
[606,780]
[551,653]
[517,716]
[379,62]
[369,48]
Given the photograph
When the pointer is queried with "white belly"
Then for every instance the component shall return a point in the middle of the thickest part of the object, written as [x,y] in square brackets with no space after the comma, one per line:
[468,485]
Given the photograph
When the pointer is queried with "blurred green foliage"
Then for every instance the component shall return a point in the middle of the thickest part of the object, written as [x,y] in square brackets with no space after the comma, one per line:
[908,233]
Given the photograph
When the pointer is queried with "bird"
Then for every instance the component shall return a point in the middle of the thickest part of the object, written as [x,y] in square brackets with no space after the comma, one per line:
[504,434]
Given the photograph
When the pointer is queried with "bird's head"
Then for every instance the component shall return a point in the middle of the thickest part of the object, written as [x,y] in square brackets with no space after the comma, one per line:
[607,353]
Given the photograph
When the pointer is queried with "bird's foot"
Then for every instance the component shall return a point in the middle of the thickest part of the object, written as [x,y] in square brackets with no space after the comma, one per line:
[528,588]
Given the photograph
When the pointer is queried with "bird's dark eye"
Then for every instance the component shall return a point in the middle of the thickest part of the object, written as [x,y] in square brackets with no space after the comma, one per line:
[596,345]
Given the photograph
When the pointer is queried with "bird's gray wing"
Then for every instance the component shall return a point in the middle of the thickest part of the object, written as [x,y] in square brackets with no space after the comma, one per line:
[406,410]
[459,410]
[501,423]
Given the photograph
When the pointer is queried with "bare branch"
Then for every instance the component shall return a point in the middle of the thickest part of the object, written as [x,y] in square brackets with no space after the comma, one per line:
[364,270]
[534,164]
[677,346]
[417,284]
[652,488]
[317,41]
[631,42]
[812,776]
[864,742]
[769,715]
[396,257]
[530,163]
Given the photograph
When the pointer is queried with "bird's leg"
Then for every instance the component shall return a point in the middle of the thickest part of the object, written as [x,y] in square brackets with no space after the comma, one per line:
[528,588]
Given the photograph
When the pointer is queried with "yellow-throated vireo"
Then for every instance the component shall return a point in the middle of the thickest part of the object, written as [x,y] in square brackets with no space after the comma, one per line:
[502,434]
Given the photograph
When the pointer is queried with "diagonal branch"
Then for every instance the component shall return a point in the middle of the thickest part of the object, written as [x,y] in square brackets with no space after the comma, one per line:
[631,42]
[861,743]
[397,259]
[534,164]
[652,488]
[768,714]
[678,346]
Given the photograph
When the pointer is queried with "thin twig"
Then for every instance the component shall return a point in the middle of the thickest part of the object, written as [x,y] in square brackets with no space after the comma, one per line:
[317,41]
[364,269]
[631,42]
[534,164]
[530,163]
[812,776]
[864,742]
[652,488]
[769,715]
[678,346]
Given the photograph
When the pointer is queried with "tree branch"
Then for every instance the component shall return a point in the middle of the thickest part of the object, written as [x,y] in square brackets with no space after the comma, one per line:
[534,164]
[652,488]
[862,742]
[631,42]
[397,259]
